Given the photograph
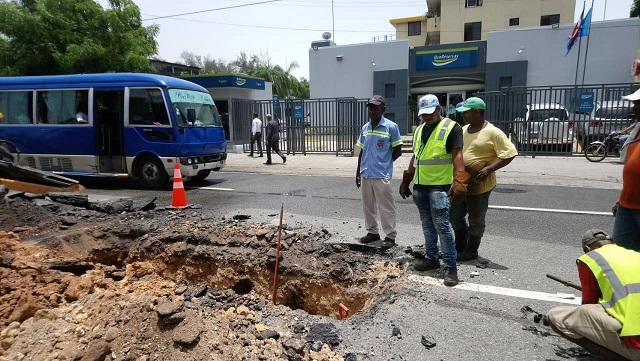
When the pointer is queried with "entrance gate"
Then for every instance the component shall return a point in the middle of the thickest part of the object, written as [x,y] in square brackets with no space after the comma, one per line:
[306,125]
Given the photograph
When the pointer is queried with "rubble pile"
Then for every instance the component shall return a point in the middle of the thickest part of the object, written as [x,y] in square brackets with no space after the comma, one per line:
[135,282]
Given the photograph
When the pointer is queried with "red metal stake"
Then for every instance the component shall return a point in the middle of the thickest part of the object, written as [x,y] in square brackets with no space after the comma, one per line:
[343,312]
[275,272]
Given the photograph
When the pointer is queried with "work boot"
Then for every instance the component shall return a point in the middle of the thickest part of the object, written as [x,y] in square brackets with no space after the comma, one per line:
[461,239]
[425,264]
[450,276]
[370,237]
[387,243]
[471,252]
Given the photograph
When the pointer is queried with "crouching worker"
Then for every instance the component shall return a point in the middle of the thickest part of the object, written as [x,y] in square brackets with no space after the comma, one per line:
[607,324]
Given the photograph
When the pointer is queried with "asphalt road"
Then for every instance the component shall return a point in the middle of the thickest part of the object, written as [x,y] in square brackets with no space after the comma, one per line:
[532,230]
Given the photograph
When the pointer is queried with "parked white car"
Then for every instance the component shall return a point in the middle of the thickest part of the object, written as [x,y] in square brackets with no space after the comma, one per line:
[605,118]
[547,125]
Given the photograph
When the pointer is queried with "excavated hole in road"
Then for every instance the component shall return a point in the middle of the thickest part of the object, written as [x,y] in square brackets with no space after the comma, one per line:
[316,294]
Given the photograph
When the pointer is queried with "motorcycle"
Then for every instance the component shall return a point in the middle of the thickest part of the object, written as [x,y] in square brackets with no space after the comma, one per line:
[597,150]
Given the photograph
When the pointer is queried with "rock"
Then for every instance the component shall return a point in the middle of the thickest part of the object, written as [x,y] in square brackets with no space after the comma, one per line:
[427,342]
[68,221]
[197,291]
[3,191]
[174,318]
[168,308]
[6,258]
[294,344]
[47,204]
[97,351]
[186,335]
[74,199]
[268,334]
[325,333]
[350,357]
[112,206]
[21,229]
[298,328]
[78,287]
[111,334]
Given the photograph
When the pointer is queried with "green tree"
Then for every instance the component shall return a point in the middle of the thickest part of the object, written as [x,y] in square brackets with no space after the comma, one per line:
[635,9]
[207,63]
[73,36]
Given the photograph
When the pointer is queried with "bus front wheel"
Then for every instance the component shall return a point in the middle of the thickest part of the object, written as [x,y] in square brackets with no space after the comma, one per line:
[152,173]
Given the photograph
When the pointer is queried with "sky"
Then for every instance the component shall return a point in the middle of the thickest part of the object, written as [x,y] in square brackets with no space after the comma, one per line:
[283,30]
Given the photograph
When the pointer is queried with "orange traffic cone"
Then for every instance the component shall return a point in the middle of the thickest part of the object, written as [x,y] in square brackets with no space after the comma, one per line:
[179,197]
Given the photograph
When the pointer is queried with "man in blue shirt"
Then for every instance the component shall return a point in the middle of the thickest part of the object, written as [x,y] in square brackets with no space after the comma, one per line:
[381,145]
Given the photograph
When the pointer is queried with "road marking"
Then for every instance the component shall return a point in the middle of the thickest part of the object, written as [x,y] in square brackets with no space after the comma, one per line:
[552,210]
[211,188]
[567,298]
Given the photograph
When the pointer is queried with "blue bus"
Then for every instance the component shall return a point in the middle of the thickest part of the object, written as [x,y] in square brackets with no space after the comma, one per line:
[117,124]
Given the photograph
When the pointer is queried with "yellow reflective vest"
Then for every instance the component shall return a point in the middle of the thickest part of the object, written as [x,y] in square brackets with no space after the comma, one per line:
[434,166]
[617,271]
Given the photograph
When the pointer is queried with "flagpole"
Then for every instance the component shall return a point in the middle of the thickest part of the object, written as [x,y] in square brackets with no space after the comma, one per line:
[575,81]
[586,50]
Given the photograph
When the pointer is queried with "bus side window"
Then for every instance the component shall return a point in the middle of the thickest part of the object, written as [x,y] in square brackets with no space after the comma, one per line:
[16,107]
[147,107]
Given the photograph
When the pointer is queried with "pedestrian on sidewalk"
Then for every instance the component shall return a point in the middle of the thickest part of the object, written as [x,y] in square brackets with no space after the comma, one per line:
[381,145]
[437,171]
[272,139]
[626,227]
[607,324]
[256,134]
[485,150]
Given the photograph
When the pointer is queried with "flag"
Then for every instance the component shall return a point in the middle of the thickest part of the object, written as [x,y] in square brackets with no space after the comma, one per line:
[577,31]
[586,24]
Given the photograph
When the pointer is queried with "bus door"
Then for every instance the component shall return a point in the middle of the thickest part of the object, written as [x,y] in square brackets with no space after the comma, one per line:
[109,116]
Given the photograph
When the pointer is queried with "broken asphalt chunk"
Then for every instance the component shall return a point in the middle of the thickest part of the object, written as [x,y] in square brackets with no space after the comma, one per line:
[427,342]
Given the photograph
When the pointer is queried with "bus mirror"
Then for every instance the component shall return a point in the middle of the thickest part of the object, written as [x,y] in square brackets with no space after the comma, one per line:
[191,115]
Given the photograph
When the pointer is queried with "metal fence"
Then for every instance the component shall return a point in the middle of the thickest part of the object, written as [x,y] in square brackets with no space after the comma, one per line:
[558,119]
[306,126]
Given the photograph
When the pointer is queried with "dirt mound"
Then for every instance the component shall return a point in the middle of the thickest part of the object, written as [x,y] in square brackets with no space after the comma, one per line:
[85,285]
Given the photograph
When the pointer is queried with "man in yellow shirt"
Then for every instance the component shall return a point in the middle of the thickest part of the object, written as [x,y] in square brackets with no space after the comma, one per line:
[485,150]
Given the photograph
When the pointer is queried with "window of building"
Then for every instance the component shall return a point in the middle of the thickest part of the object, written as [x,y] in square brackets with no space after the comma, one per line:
[472,31]
[514,21]
[505,82]
[472,3]
[414,28]
[549,19]
[390,90]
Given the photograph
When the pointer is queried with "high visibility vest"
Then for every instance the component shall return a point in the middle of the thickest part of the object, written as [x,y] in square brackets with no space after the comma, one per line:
[617,271]
[434,166]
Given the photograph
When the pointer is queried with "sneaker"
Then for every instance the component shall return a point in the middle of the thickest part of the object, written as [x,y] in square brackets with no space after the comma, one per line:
[450,276]
[370,237]
[388,243]
[284,160]
[425,264]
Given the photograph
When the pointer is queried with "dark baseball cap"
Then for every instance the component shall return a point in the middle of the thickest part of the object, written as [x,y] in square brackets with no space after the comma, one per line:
[376,100]
[594,235]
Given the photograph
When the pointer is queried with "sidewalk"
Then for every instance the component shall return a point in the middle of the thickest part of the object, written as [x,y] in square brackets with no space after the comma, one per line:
[573,171]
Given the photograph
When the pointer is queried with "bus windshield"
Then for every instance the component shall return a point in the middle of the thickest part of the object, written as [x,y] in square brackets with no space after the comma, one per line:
[206,114]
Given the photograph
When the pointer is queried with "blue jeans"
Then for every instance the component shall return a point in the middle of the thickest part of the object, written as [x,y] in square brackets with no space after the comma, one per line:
[476,207]
[433,206]
[626,228]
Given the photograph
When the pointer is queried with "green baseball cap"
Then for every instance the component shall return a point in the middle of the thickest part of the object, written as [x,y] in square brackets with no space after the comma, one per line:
[471,103]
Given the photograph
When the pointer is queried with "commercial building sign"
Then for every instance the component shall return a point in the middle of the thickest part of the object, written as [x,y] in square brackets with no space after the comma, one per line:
[447,58]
